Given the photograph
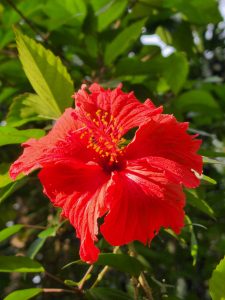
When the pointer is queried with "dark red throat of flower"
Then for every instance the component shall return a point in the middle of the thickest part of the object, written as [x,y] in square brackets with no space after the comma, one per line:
[104,136]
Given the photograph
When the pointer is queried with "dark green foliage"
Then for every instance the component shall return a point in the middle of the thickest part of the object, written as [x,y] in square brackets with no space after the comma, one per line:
[48,48]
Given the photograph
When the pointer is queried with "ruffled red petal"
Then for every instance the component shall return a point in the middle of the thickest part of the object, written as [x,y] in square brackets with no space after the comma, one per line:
[140,202]
[79,190]
[168,147]
[62,142]
[124,107]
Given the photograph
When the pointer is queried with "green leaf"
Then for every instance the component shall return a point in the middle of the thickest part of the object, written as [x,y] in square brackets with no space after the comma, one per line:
[23,294]
[176,71]
[10,135]
[199,101]
[164,34]
[35,247]
[19,264]
[39,242]
[121,262]
[197,11]
[216,282]
[106,293]
[202,205]
[24,109]
[7,232]
[207,160]
[51,231]
[47,75]
[4,175]
[123,41]
[108,11]
[194,243]
[7,190]
[158,68]
[68,12]
[208,179]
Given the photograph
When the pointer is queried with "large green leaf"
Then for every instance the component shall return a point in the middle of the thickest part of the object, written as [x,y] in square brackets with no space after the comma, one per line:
[121,262]
[24,109]
[19,264]
[10,135]
[68,12]
[23,294]
[106,294]
[175,71]
[199,102]
[7,232]
[216,283]
[47,75]
[123,41]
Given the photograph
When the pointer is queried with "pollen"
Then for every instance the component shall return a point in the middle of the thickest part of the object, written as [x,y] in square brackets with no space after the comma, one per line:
[103,135]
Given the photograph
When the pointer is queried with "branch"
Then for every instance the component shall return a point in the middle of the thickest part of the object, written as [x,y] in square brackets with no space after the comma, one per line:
[83,280]
[104,271]
[53,290]
[32,27]
[142,280]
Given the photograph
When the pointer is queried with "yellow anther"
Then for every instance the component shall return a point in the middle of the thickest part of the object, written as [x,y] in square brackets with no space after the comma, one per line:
[97,149]
[98,112]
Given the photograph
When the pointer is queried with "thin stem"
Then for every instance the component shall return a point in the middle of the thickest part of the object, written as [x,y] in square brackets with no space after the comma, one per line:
[84,279]
[104,271]
[55,278]
[34,226]
[144,283]
[142,280]
[53,290]
[10,2]
[135,284]
[100,276]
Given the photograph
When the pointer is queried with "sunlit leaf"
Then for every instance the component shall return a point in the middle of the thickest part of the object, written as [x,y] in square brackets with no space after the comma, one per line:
[216,283]
[10,135]
[23,294]
[7,232]
[25,108]
[47,75]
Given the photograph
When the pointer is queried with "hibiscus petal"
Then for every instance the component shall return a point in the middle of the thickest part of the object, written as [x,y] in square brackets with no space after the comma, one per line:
[79,190]
[140,203]
[124,107]
[163,136]
[62,142]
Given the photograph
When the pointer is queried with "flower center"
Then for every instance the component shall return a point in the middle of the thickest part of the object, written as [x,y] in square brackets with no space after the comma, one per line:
[104,136]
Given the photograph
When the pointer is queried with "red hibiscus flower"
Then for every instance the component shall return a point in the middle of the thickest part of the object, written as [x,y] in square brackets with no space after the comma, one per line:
[90,171]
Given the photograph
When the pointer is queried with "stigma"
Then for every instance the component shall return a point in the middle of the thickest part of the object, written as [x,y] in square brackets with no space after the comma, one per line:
[103,135]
